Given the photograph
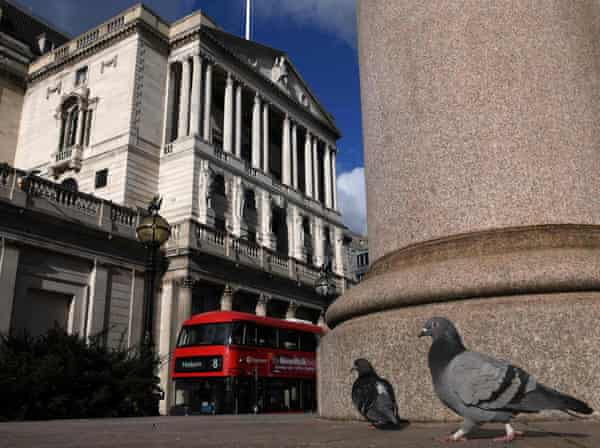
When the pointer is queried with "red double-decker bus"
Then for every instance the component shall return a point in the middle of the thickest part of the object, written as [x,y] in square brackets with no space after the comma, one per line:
[232,362]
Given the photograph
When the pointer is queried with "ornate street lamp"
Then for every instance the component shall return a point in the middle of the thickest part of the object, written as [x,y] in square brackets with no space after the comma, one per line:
[153,232]
[326,284]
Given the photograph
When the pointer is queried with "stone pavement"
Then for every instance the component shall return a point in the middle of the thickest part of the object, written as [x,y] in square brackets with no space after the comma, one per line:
[282,430]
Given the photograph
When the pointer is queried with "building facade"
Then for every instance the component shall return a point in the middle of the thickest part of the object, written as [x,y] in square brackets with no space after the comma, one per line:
[225,130]
[23,38]
[357,249]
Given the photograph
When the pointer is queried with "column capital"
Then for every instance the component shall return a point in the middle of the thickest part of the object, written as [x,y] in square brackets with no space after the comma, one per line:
[230,78]
[263,298]
[257,97]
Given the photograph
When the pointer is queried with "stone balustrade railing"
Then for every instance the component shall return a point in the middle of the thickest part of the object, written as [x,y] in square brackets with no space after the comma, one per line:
[193,235]
[42,195]
[91,37]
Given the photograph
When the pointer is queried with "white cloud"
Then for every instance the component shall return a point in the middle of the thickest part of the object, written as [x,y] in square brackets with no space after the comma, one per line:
[337,17]
[352,200]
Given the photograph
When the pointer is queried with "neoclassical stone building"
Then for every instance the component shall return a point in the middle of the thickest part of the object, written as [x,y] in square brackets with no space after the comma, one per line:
[23,38]
[225,130]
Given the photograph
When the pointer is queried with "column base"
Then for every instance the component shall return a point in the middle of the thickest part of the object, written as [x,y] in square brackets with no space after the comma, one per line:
[552,336]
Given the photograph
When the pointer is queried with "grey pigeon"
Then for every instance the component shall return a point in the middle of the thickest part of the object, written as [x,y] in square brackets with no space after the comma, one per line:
[482,389]
[373,396]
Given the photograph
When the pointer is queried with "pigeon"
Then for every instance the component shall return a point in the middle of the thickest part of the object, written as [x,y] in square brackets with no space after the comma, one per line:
[482,389]
[373,396]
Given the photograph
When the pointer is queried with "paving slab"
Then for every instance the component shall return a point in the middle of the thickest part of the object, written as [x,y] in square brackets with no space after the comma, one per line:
[276,430]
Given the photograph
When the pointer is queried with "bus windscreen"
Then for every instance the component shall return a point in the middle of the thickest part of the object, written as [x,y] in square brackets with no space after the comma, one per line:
[206,334]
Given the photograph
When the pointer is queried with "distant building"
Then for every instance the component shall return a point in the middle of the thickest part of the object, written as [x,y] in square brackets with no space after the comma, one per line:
[225,130]
[23,38]
[357,247]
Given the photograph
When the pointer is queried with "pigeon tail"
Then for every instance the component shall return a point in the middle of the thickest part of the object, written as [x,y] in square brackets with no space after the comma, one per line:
[543,397]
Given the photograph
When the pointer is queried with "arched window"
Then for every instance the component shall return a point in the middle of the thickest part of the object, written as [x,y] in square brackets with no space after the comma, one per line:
[70,118]
[217,186]
[70,184]
[249,200]
[74,122]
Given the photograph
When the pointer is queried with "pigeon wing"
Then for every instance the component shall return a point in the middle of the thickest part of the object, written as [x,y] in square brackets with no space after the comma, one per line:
[485,382]
[364,394]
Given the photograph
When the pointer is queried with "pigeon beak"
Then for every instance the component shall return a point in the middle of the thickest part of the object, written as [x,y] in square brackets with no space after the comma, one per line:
[424,332]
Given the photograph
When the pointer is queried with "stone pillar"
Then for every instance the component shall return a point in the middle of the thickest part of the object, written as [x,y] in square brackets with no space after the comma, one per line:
[196,98]
[261,305]
[483,195]
[169,103]
[80,125]
[286,156]
[334,180]
[316,172]
[327,175]
[318,246]
[321,322]
[184,300]
[291,234]
[9,262]
[265,220]
[228,115]
[208,101]
[295,156]
[266,147]
[308,165]
[256,132]
[298,235]
[291,310]
[184,99]
[227,299]
[339,253]
[236,206]
[97,299]
[238,120]
[166,344]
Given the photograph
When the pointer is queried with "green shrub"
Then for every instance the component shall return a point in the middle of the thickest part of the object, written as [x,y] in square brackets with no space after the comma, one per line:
[58,375]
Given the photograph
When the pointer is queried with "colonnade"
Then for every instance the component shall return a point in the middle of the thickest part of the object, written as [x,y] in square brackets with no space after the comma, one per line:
[191,113]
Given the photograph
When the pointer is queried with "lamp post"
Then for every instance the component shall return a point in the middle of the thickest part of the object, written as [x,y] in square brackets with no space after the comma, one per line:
[153,232]
[325,285]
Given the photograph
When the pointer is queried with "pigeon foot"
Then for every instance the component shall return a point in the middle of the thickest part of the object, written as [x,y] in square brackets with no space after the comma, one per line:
[458,436]
[511,435]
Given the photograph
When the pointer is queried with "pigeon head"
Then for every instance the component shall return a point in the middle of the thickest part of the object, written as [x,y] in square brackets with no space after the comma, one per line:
[362,366]
[440,327]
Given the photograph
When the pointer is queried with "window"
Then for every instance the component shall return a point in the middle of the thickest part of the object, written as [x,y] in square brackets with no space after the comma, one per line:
[81,76]
[250,333]
[87,126]
[70,184]
[308,342]
[101,178]
[69,122]
[267,336]
[207,334]
[288,339]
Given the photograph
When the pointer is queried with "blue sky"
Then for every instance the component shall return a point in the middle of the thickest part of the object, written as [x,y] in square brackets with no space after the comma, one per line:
[318,35]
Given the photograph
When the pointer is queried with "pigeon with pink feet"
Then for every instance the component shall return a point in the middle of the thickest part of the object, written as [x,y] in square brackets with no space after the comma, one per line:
[483,389]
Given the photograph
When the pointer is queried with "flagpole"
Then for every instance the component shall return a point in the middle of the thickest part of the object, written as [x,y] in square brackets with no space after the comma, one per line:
[247,19]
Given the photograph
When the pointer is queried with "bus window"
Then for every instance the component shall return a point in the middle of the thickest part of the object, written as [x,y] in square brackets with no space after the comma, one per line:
[267,336]
[237,333]
[288,339]
[250,333]
[308,342]
[207,334]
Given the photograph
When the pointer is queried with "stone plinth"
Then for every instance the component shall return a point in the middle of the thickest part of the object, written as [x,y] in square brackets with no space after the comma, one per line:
[481,158]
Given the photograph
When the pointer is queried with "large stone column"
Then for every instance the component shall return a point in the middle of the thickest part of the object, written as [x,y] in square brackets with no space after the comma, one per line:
[265,139]
[308,189]
[295,156]
[327,175]
[256,132]
[184,98]
[238,120]
[286,156]
[228,115]
[481,157]
[9,262]
[169,102]
[196,98]
[207,101]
